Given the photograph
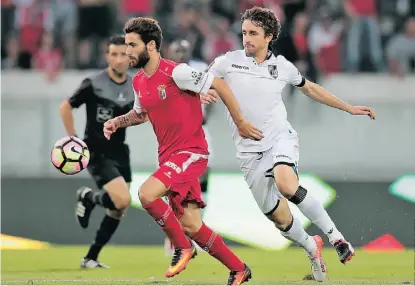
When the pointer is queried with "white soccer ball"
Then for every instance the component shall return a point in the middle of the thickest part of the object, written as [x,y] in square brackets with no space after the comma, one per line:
[70,155]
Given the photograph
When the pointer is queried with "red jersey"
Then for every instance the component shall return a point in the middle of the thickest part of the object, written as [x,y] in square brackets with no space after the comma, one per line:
[170,99]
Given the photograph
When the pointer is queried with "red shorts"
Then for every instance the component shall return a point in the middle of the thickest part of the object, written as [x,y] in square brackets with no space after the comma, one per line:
[180,173]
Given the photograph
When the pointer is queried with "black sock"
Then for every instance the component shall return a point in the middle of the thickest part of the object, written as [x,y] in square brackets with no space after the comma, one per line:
[104,233]
[101,198]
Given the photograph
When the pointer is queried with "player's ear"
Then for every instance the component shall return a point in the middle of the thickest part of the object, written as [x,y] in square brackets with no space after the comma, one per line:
[151,46]
[269,37]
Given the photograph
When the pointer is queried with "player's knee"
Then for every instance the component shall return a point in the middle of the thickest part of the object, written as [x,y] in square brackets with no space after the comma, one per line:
[117,214]
[281,215]
[190,229]
[121,200]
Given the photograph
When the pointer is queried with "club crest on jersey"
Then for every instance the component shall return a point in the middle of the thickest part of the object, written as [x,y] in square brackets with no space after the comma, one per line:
[273,70]
[162,92]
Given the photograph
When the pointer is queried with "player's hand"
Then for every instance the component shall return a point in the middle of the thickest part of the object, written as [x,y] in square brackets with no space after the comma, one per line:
[363,110]
[249,131]
[110,127]
[210,97]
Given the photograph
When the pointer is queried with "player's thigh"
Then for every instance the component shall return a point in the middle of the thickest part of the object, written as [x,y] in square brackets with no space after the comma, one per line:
[152,189]
[285,162]
[102,169]
[191,219]
[256,169]
[181,174]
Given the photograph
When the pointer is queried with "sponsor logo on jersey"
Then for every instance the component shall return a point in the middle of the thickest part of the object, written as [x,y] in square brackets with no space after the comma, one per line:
[273,70]
[240,67]
[121,97]
[162,92]
[104,114]
[197,76]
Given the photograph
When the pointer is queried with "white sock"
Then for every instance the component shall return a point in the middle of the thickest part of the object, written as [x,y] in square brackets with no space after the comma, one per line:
[314,210]
[298,235]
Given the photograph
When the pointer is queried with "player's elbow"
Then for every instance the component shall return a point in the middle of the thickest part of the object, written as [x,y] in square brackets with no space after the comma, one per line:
[65,108]
[309,88]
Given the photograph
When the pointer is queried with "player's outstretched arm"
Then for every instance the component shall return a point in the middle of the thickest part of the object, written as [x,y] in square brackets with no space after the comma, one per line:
[319,94]
[246,129]
[131,118]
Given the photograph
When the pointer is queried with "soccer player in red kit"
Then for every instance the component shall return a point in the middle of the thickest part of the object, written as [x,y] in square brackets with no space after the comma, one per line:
[167,95]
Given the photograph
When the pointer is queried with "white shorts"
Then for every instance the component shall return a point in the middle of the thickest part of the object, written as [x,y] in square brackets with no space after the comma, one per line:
[257,168]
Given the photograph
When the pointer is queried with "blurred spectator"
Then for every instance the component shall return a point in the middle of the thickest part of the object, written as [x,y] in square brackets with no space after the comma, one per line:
[32,19]
[95,25]
[185,25]
[299,35]
[222,40]
[362,15]
[48,58]
[7,20]
[65,23]
[401,50]
[324,42]
[136,8]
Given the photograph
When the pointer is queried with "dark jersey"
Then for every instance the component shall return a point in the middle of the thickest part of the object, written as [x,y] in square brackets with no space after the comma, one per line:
[104,99]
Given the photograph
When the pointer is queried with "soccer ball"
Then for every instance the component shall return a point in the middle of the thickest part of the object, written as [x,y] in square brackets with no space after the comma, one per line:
[70,155]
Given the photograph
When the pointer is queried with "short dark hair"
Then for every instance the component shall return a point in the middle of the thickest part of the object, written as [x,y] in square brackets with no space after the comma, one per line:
[148,29]
[264,18]
[117,40]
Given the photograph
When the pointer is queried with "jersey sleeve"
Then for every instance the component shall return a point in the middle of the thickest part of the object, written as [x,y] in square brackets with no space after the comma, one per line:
[188,78]
[219,66]
[294,76]
[137,106]
[82,94]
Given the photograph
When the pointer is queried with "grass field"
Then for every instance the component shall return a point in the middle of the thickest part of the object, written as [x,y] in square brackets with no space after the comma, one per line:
[146,265]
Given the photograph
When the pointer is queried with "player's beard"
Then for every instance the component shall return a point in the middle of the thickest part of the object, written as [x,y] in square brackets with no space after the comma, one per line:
[141,61]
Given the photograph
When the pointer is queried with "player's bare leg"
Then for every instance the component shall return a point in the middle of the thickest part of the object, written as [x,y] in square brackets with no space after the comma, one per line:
[116,196]
[291,229]
[150,195]
[287,183]
[117,189]
[213,244]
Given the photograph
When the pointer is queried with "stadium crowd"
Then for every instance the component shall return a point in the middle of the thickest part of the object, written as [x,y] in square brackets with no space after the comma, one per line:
[321,37]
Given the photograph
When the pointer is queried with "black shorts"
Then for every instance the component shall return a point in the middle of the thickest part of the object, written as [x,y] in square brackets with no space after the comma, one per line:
[94,21]
[104,168]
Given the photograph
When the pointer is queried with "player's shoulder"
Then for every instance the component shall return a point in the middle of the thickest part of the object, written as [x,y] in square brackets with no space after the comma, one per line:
[280,60]
[98,78]
[167,66]
[198,65]
[231,56]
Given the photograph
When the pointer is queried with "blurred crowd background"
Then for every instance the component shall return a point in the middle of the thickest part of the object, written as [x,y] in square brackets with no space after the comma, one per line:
[321,37]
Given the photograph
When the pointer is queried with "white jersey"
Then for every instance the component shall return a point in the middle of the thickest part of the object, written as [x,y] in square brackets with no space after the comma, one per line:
[258,89]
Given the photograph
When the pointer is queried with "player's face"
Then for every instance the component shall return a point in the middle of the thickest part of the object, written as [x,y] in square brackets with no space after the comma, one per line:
[136,50]
[253,38]
[117,59]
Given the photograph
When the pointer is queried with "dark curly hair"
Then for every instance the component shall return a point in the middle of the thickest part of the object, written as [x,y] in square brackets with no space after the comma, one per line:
[264,18]
[148,29]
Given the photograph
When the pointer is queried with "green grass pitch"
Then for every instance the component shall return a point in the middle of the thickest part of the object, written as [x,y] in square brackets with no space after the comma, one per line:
[137,265]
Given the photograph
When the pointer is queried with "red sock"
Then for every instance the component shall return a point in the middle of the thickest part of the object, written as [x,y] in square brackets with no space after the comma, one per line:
[164,216]
[212,243]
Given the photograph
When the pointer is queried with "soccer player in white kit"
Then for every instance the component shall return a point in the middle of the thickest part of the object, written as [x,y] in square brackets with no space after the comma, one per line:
[257,78]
